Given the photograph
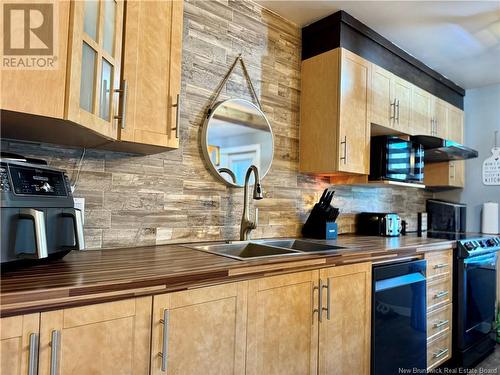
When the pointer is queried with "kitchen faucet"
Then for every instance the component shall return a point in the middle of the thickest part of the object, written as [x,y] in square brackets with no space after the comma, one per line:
[246,225]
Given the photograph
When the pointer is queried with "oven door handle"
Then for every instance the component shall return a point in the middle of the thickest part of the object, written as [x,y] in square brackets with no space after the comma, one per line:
[77,218]
[484,260]
[38,218]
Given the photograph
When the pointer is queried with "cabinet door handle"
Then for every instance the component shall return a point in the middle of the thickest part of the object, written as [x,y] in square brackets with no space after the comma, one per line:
[38,218]
[441,294]
[327,309]
[33,354]
[398,111]
[452,167]
[123,103]
[54,353]
[164,353]
[177,115]
[320,301]
[441,323]
[440,353]
[432,126]
[440,265]
[393,110]
[315,310]
[344,142]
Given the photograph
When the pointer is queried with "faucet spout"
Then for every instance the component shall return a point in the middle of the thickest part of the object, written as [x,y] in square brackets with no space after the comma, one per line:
[246,224]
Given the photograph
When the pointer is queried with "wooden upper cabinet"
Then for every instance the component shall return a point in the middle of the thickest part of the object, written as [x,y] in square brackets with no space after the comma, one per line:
[391,100]
[39,92]
[402,101]
[200,331]
[19,344]
[382,105]
[95,45]
[354,124]
[439,126]
[107,338]
[421,112]
[282,327]
[152,72]
[335,114]
[345,330]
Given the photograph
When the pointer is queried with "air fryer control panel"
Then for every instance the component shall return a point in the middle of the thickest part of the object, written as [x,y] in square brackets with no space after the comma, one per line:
[30,180]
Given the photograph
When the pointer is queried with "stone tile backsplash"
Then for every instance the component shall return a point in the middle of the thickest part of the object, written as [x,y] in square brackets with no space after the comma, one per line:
[171,197]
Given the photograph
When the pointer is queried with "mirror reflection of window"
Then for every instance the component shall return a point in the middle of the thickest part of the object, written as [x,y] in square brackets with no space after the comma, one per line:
[239,135]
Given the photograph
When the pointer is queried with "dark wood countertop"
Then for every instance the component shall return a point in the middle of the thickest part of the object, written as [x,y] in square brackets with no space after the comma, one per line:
[85,277]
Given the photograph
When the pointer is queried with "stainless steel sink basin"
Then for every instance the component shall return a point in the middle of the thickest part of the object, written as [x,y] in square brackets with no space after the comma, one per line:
[258,249]
[246,250]
[303,246]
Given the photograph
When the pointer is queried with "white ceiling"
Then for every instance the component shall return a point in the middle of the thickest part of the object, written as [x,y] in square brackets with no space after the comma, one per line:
[459,39]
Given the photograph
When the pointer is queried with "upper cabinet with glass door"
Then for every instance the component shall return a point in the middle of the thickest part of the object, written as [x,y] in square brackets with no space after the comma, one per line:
[94,65]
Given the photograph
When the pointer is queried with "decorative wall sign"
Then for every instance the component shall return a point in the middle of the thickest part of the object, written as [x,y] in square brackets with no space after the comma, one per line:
[491,166]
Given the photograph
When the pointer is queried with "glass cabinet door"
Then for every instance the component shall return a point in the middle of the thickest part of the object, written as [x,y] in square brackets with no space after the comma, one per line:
[95,64]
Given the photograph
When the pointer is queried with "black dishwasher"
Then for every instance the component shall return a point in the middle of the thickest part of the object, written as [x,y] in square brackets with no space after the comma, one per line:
[399,318]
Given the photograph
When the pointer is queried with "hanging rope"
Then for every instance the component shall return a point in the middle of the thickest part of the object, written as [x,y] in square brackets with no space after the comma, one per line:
[226,77]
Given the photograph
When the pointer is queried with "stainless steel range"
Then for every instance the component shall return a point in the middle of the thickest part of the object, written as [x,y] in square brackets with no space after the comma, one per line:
[475,275]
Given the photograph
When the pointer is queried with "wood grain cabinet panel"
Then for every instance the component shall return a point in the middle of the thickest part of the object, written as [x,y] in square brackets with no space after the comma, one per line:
[344,336]
[200,331]
[282,328]
[152,70]
[335,114]
[18,334]
[402,97]
[107,338]
[382,105]
[421,112]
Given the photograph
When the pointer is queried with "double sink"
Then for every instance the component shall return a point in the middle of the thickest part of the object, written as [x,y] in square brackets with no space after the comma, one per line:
[258,249]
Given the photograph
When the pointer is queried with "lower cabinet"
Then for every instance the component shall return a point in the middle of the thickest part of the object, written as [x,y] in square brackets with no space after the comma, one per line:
[311,322]
[107,338]
[200,331]
[282,324]
[19,344]
[439,307]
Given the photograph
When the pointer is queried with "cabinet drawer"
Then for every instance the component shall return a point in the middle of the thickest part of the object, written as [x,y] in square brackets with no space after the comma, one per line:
[439,263]
[439,321]
[438,351]
[439,293]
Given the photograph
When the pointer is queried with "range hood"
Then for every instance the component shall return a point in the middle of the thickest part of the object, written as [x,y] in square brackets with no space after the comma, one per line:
[438,149]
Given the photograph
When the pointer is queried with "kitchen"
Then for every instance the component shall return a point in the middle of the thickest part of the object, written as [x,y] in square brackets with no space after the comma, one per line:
[145,124]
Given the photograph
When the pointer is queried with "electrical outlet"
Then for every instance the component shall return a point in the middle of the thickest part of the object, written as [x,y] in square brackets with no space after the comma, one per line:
[80,204]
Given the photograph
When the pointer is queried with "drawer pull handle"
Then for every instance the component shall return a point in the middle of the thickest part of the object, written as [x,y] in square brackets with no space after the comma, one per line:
[441,265]
[440,353]
[441,323]
[441,294]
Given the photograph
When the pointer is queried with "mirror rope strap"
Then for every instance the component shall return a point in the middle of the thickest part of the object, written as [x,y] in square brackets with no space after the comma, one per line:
[226,77]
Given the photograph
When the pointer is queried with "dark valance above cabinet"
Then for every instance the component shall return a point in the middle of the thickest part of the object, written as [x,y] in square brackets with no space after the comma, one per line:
[342,30]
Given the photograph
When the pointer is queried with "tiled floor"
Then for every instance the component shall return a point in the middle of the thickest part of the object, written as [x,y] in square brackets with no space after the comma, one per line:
[492,362]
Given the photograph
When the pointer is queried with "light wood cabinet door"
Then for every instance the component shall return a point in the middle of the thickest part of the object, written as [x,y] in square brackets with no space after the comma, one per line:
[282,327]
[40,92]
[19,344]
[344,335]
[354,126]
[421,112]
[382,105]
[152,70]
[94,64]
[440,118]
[200,331]
[107,338]
[402,99]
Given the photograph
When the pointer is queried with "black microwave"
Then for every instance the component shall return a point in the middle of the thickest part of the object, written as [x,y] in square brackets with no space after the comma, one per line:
[396,159]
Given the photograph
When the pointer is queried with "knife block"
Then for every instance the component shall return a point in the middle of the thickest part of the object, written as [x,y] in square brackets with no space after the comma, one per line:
[318,226]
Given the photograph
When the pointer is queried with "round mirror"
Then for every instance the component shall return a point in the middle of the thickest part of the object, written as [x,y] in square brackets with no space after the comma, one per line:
[235,136]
